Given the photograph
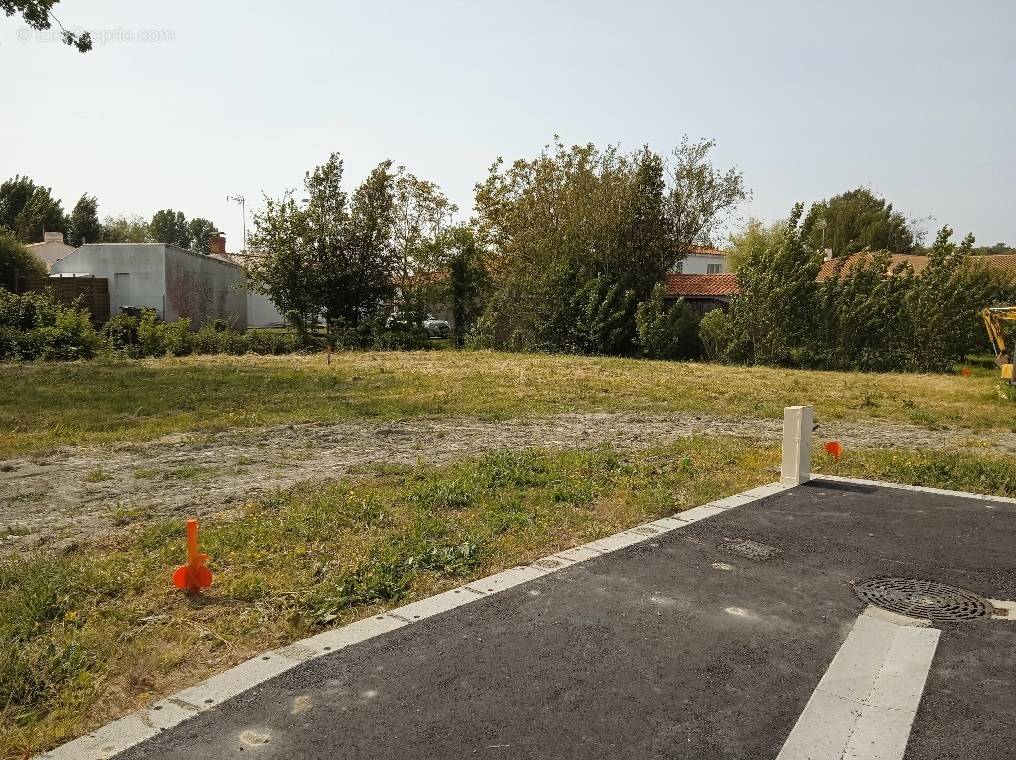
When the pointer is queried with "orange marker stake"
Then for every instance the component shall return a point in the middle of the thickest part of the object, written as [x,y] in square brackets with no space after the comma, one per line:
[965,372]
[195,575]
[834,449]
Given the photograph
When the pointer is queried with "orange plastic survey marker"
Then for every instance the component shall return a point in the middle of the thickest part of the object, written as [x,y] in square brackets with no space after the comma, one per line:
[195,575]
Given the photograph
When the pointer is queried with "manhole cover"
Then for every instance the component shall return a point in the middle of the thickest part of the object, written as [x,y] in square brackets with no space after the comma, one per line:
[927,600]
[745,547]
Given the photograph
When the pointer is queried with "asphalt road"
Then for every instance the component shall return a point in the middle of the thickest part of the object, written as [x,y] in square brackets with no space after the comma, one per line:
[684,646]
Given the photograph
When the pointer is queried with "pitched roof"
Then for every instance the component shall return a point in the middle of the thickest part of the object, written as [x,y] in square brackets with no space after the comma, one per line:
[702,251]
[918,263]
[1006,263]
[701,285]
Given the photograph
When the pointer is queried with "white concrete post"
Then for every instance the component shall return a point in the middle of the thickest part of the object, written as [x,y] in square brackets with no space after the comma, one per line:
[797,423]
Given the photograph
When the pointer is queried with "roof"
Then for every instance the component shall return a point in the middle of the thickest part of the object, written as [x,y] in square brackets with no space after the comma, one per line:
[1006,263]
[701,285]
[701,251]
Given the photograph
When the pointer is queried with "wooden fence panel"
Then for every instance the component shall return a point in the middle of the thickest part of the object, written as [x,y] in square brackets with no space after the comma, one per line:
[93,292]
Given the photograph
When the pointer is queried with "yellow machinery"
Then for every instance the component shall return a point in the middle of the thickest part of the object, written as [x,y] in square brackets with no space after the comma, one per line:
[994,320]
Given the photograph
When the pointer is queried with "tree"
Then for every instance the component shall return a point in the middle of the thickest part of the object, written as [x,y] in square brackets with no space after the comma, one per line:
[420,214]
[83,225]
[200,231]
[774,312]
[328,257]
[579,223]
[169,226]
[754,237]
[38,14]
[15,260]
[125,229]
[855,221]
[29,209]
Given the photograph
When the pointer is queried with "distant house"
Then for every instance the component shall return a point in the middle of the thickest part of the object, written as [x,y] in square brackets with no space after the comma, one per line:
[174,281]
[51,249]
[707,291]
[702,261]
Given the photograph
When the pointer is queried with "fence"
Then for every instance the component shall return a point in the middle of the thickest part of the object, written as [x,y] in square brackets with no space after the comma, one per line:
[93,292]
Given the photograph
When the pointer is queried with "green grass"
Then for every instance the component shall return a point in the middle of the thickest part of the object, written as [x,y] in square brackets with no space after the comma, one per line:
[104,402]
[87,637]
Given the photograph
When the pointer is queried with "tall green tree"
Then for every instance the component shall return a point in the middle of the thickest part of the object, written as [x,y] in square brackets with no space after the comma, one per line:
[774,312]
[580,223]
[754,236]
[854,221]
[131,228]
[169,226]
[420,215]
[38,14]
[16,260]
[200,231]
[83,224]
[28,209]
[330,257]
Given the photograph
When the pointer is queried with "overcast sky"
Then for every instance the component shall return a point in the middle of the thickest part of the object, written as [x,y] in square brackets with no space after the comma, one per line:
[912,98]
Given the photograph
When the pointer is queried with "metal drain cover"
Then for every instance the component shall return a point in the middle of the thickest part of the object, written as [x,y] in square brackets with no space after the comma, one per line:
[927,600]
[745,547]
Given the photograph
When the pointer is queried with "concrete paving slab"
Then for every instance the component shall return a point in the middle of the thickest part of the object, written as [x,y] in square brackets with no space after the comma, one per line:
[669,644]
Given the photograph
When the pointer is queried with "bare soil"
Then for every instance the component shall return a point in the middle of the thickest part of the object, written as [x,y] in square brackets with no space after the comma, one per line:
[74,494]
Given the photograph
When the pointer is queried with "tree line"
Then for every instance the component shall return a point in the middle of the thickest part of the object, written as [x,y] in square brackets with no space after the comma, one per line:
[28,209]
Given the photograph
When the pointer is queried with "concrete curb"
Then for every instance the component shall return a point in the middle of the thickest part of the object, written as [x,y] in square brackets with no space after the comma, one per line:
[132,729]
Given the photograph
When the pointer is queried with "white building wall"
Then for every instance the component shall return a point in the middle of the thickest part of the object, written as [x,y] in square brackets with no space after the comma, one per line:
[136,272]
[698,263]
[261,312]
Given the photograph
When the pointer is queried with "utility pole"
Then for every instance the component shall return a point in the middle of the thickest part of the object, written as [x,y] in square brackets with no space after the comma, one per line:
[242,203]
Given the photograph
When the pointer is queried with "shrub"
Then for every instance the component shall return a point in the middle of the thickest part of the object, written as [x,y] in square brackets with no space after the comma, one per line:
[716,334]
[36,326]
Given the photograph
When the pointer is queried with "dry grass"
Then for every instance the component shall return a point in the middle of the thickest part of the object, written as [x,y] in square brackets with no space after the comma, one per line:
[100,402]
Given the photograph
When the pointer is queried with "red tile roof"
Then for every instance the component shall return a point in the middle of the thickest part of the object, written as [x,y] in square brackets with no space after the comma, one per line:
[701,285]
[1006,263]
[701,251]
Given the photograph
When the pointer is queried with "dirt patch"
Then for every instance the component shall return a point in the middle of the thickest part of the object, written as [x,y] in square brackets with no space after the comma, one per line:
[77,493]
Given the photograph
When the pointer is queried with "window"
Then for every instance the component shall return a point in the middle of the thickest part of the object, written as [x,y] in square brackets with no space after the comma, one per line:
[713,268]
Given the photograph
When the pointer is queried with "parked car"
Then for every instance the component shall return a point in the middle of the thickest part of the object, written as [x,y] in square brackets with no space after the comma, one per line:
[436,328]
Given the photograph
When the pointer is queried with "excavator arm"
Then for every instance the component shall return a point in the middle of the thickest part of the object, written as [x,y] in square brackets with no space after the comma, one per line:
[995,318]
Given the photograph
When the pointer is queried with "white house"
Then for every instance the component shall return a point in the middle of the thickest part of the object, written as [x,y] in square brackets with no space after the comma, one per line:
[703,261]
[173,281]
[51,249]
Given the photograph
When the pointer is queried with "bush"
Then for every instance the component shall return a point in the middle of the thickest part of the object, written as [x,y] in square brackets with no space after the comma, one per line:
[35,326]
[716,334]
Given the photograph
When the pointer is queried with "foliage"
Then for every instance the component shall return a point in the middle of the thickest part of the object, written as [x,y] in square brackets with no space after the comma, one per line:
[578,230]
[125,229]
[716,333]
[867,314]
[421,213]
[200,230]
[34,326]
[28,209]
[332,257]
[38,14]
[15,259]
[774,310]
[83,225]
[170,227]
[854,221]
[467,280]
[754,238]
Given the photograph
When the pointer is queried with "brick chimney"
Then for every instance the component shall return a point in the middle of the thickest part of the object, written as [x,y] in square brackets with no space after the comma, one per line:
[217,244]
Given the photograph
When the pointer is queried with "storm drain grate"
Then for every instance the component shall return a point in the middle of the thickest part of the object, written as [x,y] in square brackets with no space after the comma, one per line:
[927,600]
[745,547]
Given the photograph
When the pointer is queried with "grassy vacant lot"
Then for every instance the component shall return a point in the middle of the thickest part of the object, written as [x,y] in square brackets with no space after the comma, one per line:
[89,636]
[98,402]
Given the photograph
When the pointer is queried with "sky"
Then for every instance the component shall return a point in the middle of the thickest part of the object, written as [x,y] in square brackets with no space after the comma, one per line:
[183,103]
